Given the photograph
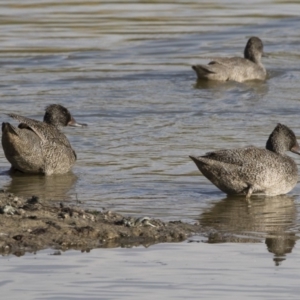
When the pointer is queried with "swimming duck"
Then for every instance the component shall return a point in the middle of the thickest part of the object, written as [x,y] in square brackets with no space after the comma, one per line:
[254,170]
[236,68]
[40,147]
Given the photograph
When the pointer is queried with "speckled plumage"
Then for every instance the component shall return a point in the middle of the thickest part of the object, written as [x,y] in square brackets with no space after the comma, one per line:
[40,147]
[236,68]
[254,170]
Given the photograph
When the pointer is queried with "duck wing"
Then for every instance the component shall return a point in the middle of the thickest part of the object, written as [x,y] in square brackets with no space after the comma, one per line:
[236,157]
[34,125]
[48,134]
[223,69]
[229,62]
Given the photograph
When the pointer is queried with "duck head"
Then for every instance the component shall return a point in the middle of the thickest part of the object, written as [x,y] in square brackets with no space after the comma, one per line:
[283,139]
[59,116]
[254,49]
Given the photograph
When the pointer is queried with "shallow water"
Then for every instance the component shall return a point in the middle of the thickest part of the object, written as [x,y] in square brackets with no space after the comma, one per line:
[124,67]
[223,271]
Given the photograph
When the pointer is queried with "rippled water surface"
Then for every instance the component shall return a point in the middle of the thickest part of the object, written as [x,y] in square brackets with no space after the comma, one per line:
[124,67]
[223,271]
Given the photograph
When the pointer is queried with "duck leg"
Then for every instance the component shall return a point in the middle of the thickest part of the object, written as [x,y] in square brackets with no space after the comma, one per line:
[249,192]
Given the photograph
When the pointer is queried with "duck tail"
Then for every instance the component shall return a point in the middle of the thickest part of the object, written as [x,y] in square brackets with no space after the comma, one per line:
[202,71]
[7,127]
[199,163]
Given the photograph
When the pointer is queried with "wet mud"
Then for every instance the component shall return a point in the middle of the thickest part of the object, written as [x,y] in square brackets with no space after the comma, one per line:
[29,225]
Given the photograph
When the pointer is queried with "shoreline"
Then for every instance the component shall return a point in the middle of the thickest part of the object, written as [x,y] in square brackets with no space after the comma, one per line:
[30,225]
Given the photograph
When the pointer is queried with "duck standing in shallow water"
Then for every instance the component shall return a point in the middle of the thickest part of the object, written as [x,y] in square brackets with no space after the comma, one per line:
[236,68]
[254,170]
[40,147]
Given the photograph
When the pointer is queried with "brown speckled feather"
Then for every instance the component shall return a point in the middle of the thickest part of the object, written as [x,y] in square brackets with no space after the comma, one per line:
[236,68]
[266,171]
[39,147]
[46,132]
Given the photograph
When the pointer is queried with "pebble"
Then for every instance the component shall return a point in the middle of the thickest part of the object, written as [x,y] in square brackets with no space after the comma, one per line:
[8,209]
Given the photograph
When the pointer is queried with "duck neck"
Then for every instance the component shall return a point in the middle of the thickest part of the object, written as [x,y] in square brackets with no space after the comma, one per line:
[52,122]
[275,146]
[254,57]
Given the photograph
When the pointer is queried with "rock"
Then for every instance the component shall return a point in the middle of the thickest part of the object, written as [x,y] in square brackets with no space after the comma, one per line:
[7,209]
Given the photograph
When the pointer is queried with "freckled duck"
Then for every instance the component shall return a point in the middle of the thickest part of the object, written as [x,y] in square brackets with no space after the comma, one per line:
[254,170]
[40,147]
[236,68]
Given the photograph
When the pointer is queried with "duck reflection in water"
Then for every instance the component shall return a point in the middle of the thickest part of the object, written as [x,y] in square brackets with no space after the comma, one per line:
[53,187]
[271,218]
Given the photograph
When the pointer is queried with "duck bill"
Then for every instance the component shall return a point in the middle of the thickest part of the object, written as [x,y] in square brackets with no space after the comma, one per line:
[296,149]
[73,123]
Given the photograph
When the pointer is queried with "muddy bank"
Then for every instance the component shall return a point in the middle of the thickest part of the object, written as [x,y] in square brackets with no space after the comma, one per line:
[29,225]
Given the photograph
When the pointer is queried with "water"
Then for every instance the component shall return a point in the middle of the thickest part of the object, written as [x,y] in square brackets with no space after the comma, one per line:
[124,67]
[223,271]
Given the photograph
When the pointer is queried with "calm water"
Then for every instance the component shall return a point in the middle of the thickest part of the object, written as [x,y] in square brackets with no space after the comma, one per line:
[222,271]
[124,67]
